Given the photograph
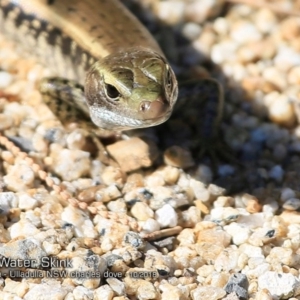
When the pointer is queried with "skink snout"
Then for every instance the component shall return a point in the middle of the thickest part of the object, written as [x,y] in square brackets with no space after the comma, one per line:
[154,109]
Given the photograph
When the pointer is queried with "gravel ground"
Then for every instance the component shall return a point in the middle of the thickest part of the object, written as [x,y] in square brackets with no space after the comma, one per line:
[153,221]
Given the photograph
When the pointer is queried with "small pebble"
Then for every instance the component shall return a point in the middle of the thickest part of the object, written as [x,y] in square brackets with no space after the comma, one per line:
[5,79]
[238,283]
[208,293]
[191,31]
[23,228]
[239,234]
[244,31]
[47,290]
[81,292]
[5,122]
[19,178]
[280,285]
[166,216]
[151,225]
[287,193]
[26,202]
[292,204]
[200,11]
[224,214]
[231,296]
[116,285]
[104,292]
[133,154]
[141,211]
[24,249]
[69,164]
[134,240]
[170,12]
[281,111]
[113,175]
[178,157]
[264,294]
[276,173]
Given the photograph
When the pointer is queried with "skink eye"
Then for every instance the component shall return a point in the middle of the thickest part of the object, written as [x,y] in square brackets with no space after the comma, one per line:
[111,92]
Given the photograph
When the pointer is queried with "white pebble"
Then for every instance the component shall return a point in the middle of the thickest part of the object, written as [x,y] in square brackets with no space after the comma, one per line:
[224,51]
[116,285]
[70,164]
[251,251]
[200,190]
[224,214]
[8,199]
[191,31]
[104,292]
[151,225]
[170,12]
[76,140]
[33,217]
[23,228]
[281,285]
[239,233]
[87,230]
[26,202]
[271,207]
[47,290]
[221,26]
[80,220]
[166,216]
[199,11]
[5,79]
[81,292]
[286,58]
[265,20]
[244,32]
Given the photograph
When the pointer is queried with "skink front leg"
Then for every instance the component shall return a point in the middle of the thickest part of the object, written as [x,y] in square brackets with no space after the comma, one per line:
[66,100]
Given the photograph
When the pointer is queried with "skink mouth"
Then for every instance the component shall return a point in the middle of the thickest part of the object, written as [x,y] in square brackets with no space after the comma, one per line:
[150,110]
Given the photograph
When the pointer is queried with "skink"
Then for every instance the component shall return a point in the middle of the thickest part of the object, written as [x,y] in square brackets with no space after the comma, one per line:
[126,79]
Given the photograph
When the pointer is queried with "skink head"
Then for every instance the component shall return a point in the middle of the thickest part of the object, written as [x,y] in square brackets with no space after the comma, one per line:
[131,89]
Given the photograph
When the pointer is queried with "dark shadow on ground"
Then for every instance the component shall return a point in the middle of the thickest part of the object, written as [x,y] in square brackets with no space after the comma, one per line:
[249,176]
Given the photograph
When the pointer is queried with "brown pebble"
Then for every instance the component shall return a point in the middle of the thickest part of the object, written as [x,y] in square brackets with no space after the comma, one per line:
[5,122]
[133,154]
[264,294]
[253,51]
[112,175]
[281,111]
[202,207]
[178,157]
[253,206]
[290,217]
[88,195]
[290,28]
[134,181]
